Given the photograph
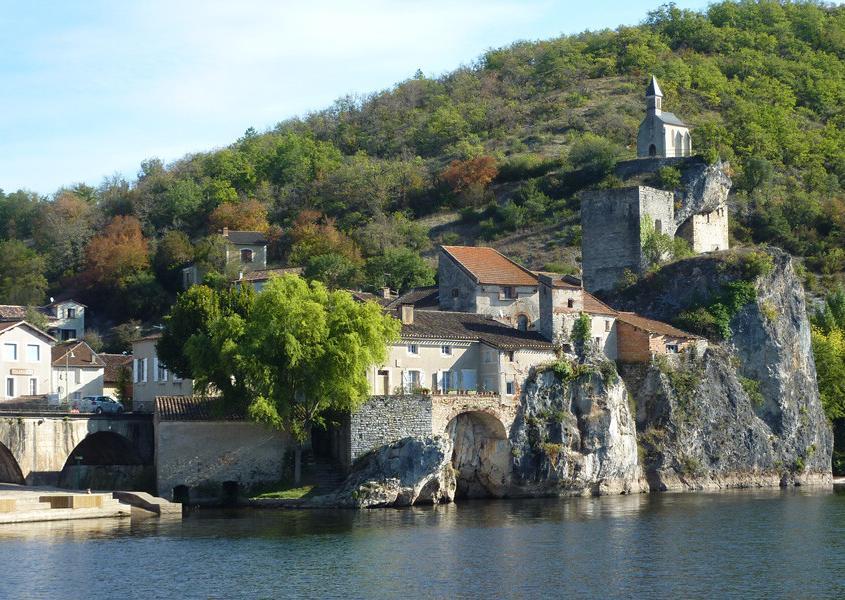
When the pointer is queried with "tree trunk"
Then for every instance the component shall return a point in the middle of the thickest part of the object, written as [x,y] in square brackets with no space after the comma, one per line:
[297,464]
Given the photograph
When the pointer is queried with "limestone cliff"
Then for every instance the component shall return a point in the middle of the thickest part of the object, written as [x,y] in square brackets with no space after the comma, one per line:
[748,411]
[574,434]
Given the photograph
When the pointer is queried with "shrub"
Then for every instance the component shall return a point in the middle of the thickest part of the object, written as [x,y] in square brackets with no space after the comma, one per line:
[752,390]
[552,451]
[594,155]
[669,178]
[581,331]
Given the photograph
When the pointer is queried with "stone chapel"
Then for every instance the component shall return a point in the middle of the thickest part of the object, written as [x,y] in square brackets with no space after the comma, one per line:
[661,134]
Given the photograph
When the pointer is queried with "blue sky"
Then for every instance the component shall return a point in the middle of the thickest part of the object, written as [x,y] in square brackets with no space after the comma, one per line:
[91,88]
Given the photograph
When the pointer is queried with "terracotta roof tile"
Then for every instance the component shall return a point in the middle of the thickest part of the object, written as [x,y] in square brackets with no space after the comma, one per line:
[193,408]
[114,364]
[83,355]
[457,326]
[488,266]
[595,306]
[652,326]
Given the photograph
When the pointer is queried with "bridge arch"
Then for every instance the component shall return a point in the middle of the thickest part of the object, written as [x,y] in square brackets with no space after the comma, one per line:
[10,470]
[103,460]
[481,454]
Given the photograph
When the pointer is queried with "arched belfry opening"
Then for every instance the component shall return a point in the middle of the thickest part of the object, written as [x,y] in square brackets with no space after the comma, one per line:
[10,470]
[481,455]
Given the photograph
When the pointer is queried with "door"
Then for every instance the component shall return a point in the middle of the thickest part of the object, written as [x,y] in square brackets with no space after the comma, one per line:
[383,383]
[468,381]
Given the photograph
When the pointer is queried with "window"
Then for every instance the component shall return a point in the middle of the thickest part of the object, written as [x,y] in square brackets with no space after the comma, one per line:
[522,323]
[161,372]
[672,348]
[413,380]
[67,334]
[446,381]
[446,350]
[570,303]
[509,387]
[10,352]
[33,352]
[33,387]
[246,255]
[510,292]
[413,350]
[71,313]
[607,325]
[658,226]
[10,387]
[77,376]
[598,342]
[509,356]
[455,292]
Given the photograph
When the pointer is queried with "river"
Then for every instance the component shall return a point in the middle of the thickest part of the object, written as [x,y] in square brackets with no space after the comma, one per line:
[709,545]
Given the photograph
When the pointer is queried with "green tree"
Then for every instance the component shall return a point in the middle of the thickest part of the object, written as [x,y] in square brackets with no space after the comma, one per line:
[309,350]
[22,278]
[334,270]
[399,269]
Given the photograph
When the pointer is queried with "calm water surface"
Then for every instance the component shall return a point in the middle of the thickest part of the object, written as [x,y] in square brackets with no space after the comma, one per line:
[745,544]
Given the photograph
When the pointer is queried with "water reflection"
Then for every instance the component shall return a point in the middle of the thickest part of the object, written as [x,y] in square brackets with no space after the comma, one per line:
[758,543]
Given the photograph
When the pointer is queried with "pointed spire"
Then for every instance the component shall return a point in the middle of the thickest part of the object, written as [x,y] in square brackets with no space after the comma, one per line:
[653,88]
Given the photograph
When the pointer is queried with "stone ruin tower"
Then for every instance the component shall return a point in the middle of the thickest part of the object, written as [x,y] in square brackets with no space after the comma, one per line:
[612,220]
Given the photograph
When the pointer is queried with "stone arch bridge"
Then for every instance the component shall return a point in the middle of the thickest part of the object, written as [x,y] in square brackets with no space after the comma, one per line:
[77,450]
[479,426]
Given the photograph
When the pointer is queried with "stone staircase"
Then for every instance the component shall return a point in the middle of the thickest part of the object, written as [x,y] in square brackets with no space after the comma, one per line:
[27,506]
[324,474]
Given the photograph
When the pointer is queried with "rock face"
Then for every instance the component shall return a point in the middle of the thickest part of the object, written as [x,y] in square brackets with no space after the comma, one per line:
[575,435]
[704,188]
[747,412]
[403,473]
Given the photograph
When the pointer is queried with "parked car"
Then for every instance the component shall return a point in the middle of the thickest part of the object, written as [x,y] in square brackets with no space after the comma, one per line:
[101,405]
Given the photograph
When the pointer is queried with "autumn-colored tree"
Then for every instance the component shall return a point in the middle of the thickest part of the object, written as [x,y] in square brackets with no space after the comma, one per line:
[314,234]
[249,215]
[469,178]
[117,253]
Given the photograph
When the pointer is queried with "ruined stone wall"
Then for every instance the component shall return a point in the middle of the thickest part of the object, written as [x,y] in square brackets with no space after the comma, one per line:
[610,222]
[385,419]
[707,232]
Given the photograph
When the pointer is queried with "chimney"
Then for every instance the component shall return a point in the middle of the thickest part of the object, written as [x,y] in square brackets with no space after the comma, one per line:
[225,232]
[385,293]
[407,314]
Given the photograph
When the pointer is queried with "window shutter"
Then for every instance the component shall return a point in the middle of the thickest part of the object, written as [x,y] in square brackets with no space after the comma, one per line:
[406,381]
[135,371]
[144,370]
[155,369]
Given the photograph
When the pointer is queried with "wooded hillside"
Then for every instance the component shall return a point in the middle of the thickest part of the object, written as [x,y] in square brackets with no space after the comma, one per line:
[357,192]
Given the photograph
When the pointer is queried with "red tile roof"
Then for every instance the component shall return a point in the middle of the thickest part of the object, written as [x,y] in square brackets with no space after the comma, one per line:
[114,364]
[488,266]
[83,355]
[595,306]
[193,408]
[652,326]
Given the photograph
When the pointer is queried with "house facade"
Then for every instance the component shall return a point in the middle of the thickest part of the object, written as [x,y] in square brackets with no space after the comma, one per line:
[483,281]
[77,371]
[24,360]
[444,352]
[245,251]
[150,378]
[65,318]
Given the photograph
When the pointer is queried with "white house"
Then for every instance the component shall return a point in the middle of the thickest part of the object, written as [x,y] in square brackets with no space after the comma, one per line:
[65,318]
[150,378]
[24,360]
[77,371]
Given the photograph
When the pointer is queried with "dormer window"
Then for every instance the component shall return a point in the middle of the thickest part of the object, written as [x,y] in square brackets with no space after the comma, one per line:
[247,255]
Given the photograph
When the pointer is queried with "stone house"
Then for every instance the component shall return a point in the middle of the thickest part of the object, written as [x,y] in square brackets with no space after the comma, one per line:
[245,251]
[562,301]
[77,371]
[204,456]
[65,318]
[24,360]
[661,133]
[150,378]
[483,281]
[445,352]
[641,339]
[117,372]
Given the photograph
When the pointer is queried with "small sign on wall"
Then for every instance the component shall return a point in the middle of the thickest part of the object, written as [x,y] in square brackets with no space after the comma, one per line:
[21,372]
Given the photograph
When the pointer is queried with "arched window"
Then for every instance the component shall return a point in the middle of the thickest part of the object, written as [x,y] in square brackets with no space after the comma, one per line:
[246,255]
[522,323]
[679,144]
[687,144]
